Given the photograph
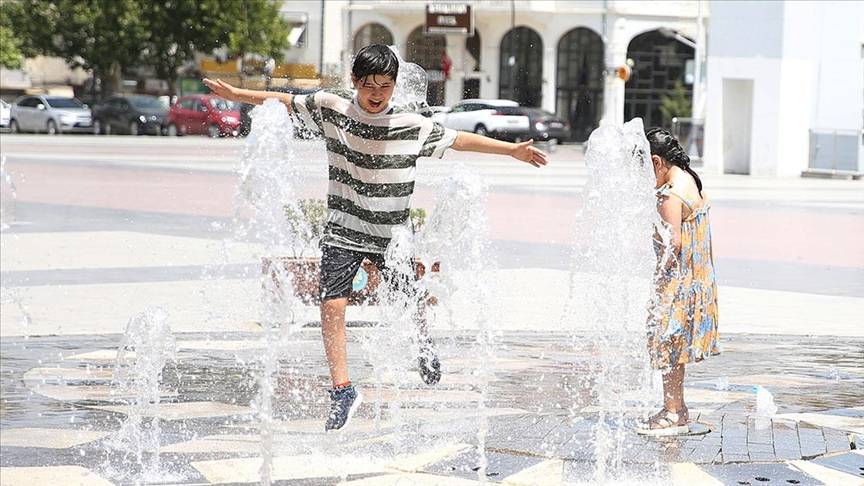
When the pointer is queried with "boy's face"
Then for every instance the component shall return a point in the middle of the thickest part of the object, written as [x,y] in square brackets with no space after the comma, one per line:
[374,91]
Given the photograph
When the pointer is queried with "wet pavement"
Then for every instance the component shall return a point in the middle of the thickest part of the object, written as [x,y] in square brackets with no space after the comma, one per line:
[535,419]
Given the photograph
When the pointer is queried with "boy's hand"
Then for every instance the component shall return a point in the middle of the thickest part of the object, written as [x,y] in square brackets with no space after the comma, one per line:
[222,89]
[526,152]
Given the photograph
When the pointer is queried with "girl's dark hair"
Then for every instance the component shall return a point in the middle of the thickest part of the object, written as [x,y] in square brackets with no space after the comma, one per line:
[375,59]
[664,145]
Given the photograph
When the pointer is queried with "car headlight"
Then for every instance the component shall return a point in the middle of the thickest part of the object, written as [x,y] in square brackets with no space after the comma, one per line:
[540,126]
[142,118]
[68,119]
[229,119]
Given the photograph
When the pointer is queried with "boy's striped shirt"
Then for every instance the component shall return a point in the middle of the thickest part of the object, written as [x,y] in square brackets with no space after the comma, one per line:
[372,164]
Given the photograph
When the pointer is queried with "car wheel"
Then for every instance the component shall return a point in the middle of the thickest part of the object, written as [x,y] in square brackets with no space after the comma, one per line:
[481,130]
[98,129]
[172,131]
[51,127]
[213,131]
[134,129]
[13,126]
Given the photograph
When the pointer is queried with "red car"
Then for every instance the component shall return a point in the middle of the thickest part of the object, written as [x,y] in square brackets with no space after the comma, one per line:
[203,114]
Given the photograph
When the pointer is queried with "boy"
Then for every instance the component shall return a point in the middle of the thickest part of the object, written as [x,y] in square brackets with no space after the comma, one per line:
[372,150]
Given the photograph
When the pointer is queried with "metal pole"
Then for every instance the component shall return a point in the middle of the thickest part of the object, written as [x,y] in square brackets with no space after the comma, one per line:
[696,110]
[321,46]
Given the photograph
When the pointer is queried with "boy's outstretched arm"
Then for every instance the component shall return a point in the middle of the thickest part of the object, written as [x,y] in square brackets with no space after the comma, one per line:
[471,142]
[224,90]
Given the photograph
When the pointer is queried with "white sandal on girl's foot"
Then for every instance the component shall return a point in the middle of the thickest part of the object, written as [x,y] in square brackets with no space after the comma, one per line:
[664,424]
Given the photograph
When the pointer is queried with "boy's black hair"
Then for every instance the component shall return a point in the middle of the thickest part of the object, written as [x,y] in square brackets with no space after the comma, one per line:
[375,59]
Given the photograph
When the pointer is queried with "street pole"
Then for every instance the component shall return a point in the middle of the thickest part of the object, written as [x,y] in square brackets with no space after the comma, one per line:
[696,111]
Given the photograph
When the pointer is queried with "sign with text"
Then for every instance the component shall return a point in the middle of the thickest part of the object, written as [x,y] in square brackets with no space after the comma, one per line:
[449,18]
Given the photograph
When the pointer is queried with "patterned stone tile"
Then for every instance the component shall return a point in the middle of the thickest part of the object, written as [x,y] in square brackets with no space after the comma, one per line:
[827,475]
[756,474]
[547,472]
[67,475]
[48,438]
[186,410]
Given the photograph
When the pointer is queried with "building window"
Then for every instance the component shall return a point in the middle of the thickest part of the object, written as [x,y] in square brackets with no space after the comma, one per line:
[428,51]
[372,34]
[579,96]
[297,26]
[521,67]
[659,70]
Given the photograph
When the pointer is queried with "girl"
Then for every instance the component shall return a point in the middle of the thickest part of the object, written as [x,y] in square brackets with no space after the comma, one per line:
[682,324]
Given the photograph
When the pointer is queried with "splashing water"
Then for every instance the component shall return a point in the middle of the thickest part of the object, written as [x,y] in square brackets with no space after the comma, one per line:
[611,285]
[147,346]
[457,238]
[411,82]
[268,189]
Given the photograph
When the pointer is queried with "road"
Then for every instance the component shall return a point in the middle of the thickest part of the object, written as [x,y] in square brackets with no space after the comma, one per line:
[120,212]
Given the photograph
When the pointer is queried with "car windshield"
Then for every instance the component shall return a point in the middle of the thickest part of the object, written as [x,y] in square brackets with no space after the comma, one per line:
[64,103]
[144,102]
[221,105]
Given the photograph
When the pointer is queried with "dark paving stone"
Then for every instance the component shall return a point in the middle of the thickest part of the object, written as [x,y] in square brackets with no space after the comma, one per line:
[759,474]
[850,463]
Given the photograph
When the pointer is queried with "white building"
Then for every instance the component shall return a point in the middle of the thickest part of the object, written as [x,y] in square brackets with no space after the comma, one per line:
[548,53]
[785,87]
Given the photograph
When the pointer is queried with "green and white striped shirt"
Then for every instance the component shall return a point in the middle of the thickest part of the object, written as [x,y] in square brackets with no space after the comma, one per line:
[372,164]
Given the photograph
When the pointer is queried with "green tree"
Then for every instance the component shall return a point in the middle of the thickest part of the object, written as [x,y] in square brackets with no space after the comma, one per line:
[104,36]
[679,103]
[10,49]
[178,29]
[255,27]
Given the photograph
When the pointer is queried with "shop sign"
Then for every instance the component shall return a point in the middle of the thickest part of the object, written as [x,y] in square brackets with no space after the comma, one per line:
[449,18]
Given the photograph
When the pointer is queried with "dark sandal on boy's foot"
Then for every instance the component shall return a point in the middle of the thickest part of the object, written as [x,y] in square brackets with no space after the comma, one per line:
[665,423]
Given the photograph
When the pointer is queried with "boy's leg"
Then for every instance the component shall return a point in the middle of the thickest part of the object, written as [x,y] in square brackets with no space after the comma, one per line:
[333,329]
[428,364]
[338,267]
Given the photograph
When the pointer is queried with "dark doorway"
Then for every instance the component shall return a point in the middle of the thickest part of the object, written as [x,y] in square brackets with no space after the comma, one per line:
[427,50]
[470,88]
[521,67]
[660,65]
[579,81]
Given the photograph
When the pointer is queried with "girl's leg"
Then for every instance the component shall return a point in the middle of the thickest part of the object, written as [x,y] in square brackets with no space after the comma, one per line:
[673,390]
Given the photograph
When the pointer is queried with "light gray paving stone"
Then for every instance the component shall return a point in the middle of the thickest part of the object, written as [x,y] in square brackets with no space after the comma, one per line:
[811,440]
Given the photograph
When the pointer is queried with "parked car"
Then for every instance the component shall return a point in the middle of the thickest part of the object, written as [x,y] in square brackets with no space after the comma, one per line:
[203,114]
[543,126]
[5,114]
[486,117]
[50,114]
[132,114]
[299,130]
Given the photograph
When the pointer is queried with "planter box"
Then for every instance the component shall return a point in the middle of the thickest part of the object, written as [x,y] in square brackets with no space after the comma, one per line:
[306,276]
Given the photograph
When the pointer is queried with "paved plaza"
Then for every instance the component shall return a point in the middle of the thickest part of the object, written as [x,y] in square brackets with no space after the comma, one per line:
[104,227]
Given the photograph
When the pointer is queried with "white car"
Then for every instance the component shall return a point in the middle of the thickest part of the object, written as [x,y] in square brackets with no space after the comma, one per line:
[5,114]
[493,118]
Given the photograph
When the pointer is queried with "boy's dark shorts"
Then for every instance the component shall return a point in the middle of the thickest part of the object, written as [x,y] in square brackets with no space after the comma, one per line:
[339,267]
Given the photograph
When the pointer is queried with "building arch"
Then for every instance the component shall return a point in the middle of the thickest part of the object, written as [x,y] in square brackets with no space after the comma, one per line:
[428,51]
[372,33]
[520,64]
[659,70]
[579,81]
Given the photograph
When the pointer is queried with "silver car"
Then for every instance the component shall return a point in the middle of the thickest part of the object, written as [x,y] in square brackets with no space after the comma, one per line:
[50,114]
[5,112]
